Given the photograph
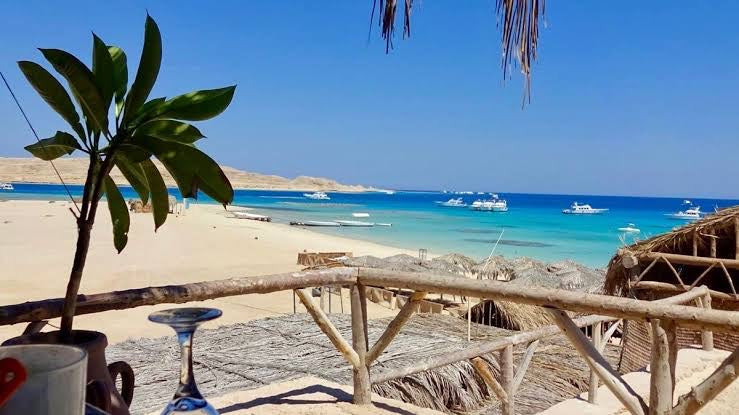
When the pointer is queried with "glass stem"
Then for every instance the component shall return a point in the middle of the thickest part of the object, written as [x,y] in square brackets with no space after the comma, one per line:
[187,387]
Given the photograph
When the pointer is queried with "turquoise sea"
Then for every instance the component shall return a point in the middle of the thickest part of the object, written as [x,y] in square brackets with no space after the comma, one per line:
[534,225]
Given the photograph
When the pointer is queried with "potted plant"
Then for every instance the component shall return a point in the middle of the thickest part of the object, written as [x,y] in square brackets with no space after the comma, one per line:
[121,127]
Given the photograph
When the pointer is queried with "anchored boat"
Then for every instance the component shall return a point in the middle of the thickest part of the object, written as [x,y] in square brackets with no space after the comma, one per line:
[586,209]
[630,228]
[458,202]
[317,196]
[355,223]
[494,204]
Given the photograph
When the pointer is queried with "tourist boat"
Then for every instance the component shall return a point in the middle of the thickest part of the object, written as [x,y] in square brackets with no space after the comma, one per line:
[6,186]
[630,228]
[317,196]
[458,202]
[314,223]
[251,216]
[360,214]
[586,209]
[692,213]
[491,205]
[355,223]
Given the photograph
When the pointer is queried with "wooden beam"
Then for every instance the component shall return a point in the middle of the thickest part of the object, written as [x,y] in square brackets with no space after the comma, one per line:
[700,277]
[661,381]
[706,335]
[643,273]
[700,395]
[674,272]
[487,376]
[506,378]
[713,246]
[524,365]
[327,327]
[393,328]
[695,243]
[668,287]
[176,294]
[728,279]
[360,372]
[684,316]
[35,327]
[593,381]
[630,399]
[607,336]
[691,260]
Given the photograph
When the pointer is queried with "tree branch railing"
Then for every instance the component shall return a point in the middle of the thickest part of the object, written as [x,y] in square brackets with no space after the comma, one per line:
[604,309]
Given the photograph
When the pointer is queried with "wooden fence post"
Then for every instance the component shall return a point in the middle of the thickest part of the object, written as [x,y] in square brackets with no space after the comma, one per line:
[362,385]
[661,383]
[506,377]
[593,383]
[707,335]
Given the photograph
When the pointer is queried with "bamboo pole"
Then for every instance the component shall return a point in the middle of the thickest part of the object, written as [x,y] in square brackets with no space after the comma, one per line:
[360,371]
[684,316]
[487,376]
[661,381]
[700,395]
[394,327]
[176,294]
[630,399]
[506,379]
[593,382]
[327,327]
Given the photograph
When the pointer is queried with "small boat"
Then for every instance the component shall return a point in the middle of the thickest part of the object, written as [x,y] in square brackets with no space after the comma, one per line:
[355,223]
[314,223]
[6,186]
[586,209]
[251,216]
[317,196]
[360,214]
[692,213]
[384,224]
[458,202]
[630,228]
[491,205]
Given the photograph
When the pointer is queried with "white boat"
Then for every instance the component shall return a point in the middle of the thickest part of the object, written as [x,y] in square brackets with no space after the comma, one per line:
[384,224]
[360,214]
[355,223]
[6,186]
[314,223]
[491,205]
[251,216]
[586,209]
[317,196]
[458,202]
[630,228]
[692,213]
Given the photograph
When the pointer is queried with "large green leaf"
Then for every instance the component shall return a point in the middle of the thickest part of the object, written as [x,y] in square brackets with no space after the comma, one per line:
[190,168]
[197,105]
[102,69]
[118,214]
[134,173]
[53,93]
[133,152]
[146,76]
[159,193]
[82,83]
[54,147]
[147,111]
[170,130]
[120,76]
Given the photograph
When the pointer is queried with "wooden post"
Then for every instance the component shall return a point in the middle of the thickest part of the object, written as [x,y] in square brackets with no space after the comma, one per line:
[736,238]
[713,246]
[393,328]
[330,293]
[482,369]
[661,383]
[506,377]
[707,335]
[363,301]
[360,372]
[630,399]
[593,383]
[295,310]
[523,366]
[323,298]
[469,320]
[341,299]
[695,243]
[327,327]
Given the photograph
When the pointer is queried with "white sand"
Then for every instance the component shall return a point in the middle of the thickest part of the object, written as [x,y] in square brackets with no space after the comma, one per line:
[37,245]
[304,396]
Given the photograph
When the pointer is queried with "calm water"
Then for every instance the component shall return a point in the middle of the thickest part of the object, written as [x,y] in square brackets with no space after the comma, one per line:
[534,225]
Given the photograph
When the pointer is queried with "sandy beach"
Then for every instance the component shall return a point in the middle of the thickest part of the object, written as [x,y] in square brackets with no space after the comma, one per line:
[37,243]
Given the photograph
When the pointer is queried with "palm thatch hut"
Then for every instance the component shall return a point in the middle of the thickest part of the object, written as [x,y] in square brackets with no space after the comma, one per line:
[705,252]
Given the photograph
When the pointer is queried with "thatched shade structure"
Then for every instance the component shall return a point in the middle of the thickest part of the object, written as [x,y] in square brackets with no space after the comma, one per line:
[705,252]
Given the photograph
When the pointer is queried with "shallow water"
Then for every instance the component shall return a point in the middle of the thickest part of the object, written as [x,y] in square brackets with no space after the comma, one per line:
[534,225]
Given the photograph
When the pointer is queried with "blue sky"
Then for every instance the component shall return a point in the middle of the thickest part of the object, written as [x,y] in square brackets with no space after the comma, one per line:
[630,98]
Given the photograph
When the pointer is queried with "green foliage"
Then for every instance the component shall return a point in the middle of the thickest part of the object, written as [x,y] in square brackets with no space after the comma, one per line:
[118,214]
[54,147]
[142,129]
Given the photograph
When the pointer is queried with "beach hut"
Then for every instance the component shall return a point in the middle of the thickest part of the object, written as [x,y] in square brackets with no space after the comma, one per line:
[705,252]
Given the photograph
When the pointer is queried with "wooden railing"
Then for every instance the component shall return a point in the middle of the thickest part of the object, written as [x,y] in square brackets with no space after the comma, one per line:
[664,315]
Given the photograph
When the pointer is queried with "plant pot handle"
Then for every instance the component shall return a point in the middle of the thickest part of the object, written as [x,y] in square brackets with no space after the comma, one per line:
[98,395]
[124,370]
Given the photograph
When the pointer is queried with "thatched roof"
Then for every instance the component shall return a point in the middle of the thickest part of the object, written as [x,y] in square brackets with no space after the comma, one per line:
[250,355]
[679,241]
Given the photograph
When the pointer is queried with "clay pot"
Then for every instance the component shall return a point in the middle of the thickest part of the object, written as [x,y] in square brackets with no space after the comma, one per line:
[101,390]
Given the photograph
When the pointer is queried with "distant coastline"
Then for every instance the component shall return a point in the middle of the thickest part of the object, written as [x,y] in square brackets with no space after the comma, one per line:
[35,171]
